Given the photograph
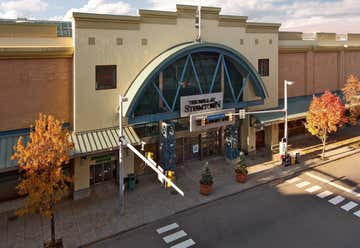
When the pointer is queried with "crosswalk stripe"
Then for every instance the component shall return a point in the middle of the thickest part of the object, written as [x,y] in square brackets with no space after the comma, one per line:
[174,236]
[167,228]
[351,191]
[324,194]
[184,244]
[357,213]
[313,189]
[293,180]
[336,200]
[350,205]
[303,184]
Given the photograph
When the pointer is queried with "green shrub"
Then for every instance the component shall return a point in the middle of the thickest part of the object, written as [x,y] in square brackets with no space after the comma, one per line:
[206,177]
[241,168]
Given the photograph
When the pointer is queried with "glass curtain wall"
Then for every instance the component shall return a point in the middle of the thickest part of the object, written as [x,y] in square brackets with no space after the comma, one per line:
[197,73]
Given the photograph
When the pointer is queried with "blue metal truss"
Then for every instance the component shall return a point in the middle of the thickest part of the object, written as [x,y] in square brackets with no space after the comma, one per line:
[252,76]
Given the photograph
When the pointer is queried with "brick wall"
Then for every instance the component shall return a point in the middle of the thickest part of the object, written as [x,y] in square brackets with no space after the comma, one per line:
[31,86]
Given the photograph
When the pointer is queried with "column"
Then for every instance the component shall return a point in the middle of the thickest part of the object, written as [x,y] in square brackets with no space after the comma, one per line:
[81,178]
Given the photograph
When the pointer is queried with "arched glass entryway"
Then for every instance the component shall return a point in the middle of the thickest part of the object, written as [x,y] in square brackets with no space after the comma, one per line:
[191,69]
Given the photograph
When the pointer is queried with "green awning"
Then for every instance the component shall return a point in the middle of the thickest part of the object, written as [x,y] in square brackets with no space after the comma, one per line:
[297,108]
[87,142]
[101,140]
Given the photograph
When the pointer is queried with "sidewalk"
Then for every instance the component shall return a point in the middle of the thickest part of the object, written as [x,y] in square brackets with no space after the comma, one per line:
[85,221]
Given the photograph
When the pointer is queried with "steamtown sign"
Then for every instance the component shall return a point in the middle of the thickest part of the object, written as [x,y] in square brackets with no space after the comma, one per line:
[200,103]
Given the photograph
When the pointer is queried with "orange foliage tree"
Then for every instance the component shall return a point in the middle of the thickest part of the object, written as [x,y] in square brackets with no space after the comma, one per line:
[40,161]
[326,113]
[351,92]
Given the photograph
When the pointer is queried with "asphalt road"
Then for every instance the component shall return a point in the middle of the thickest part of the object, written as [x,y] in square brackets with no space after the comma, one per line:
[298,212]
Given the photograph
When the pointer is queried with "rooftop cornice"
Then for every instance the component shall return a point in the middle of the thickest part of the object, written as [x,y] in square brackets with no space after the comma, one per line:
[232,21]
[156,16]
[261,27]
[35,52]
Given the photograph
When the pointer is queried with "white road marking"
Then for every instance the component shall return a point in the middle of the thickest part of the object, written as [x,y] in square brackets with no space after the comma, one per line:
[324,194]
[350,205]
[174,236]
[167,228]
[351,191]
[357,213]
[184,244]
[336,200]
[293,180]
[313,189]
[303,184]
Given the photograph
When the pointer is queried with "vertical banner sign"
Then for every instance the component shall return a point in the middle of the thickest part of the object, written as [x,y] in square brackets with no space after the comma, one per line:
[200,103]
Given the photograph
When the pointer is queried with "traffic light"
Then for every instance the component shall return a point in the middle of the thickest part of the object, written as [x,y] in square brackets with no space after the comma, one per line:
[171,176]
[203,121]
[230,117]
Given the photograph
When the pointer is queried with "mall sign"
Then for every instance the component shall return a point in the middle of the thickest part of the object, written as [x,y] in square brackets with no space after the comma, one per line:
[200,103]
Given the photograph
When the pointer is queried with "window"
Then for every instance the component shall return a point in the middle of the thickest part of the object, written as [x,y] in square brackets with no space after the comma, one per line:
[105,77]
[264,67]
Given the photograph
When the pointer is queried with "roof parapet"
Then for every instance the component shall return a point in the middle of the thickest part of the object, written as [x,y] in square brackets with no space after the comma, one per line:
[325,36]
[259,27]
[290,35]
[353,36]
[156,16]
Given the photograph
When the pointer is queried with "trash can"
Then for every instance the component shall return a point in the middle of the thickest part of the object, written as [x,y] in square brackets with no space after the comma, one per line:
[297,157]
[131,181]
[292,158]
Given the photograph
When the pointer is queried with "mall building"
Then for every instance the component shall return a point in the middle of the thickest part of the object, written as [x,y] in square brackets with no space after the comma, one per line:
[181,90]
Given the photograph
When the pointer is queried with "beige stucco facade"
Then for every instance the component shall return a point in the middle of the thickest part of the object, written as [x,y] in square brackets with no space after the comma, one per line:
[162,30]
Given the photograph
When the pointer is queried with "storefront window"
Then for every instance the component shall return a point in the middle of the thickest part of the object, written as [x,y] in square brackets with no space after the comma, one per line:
[102,171]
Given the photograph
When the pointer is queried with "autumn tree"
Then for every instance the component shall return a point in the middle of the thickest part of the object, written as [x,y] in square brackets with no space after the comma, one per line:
[326,114]
[40,162]
[351,92]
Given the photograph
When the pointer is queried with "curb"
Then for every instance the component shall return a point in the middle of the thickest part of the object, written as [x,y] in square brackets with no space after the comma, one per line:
[284,177]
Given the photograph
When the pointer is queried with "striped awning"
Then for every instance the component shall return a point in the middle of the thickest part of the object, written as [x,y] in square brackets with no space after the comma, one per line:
[99,140]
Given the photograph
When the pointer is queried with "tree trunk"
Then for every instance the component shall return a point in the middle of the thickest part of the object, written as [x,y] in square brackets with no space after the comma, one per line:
[52,228]
[323,149]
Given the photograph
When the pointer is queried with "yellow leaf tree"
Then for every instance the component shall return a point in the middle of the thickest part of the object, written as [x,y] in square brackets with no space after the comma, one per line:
[326,114]
[351,92]
[40,162]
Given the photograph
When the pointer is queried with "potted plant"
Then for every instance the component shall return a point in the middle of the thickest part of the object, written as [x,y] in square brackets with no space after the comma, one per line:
[241,172]
[206,181]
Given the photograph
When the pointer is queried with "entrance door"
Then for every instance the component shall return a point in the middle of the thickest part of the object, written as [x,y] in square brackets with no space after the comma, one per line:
[102,172]
[191,148]
[210,143]
[260,139]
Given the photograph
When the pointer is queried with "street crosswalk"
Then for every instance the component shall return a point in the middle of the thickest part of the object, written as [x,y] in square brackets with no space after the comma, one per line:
[171,233]
[332,198]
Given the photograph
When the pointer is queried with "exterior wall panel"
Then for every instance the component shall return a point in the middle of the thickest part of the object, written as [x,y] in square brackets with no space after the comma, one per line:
[352,63]
[292,67]
[326,71]
[31,86]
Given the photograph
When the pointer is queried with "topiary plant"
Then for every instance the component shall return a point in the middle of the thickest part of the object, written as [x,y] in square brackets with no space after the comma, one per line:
[206,177]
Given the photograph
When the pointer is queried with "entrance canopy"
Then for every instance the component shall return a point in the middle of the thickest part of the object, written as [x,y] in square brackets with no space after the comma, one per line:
[191,69]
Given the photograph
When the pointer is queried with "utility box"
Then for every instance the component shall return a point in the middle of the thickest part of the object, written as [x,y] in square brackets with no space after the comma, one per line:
[282,147]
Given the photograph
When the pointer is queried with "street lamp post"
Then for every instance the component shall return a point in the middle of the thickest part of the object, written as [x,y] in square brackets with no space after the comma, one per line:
[121,162]
[286,83]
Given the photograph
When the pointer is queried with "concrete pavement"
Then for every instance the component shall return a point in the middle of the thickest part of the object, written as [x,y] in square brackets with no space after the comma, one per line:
[285,213]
